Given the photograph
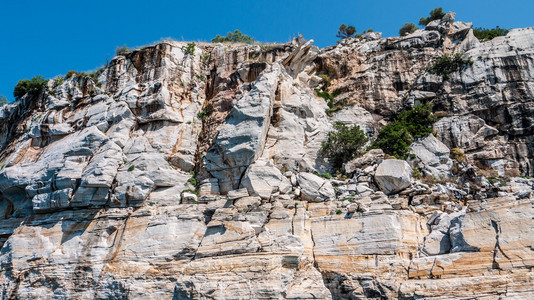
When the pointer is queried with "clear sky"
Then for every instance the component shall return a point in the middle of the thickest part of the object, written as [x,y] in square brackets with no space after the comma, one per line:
[52,37]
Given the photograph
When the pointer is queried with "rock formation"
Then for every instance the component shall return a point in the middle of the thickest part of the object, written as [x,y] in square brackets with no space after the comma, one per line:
[196,175]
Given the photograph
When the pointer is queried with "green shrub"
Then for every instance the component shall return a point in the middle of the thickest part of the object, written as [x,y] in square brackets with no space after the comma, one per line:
[339,211]
[395,138]
[193,181]
[345,31]
[203,114]
[131,168]
[435,14]
[407,28]
[235,37]
[189,49]
[485,34]
[333,106]
[418,120]
[122,50]
[343,144]
[448,64]
[31,87]
[416,174]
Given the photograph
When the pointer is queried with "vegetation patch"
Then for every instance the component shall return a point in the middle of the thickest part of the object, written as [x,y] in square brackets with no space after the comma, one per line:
[194,182]
[333,105]
[448,64]
[485,34]
[395,139]
[345,31]
[435,14]
[31,87]
[123,50]
[407,28]
[189,49]
[203,114]
[234,37]
[458,155]
[416,174]
[343,144]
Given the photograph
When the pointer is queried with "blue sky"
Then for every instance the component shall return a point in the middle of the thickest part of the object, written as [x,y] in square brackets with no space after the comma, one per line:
[52,37]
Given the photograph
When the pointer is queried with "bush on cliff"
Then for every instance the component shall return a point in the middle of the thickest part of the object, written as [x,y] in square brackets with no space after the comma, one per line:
[395,139]
[485,34]
[407,29]
[343,144]
[333,105]
[448,64]
[122,50]
[235,37]
[31,87]
[435,14]
[189,49]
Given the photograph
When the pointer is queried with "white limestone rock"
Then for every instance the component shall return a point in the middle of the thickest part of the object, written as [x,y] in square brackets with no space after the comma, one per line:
[393,175]
[101,170]
[315,188]
[240,140]
[262,179]
[433,156]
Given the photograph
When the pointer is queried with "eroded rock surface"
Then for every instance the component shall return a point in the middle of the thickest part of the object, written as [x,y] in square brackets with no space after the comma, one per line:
[173,174]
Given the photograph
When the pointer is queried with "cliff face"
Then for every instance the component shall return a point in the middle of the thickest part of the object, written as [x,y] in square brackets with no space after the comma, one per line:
[96,181]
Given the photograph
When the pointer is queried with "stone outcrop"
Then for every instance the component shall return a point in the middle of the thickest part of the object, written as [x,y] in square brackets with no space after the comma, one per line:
[172,174]
[432,156]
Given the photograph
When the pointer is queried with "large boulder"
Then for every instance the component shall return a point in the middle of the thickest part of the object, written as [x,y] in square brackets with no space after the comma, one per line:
[262,179]
[315,188]
[393,176]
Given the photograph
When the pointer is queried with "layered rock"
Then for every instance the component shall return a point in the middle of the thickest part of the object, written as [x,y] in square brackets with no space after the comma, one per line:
[175,174]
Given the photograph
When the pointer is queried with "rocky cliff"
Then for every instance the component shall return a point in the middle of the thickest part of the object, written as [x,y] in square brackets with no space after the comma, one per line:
[179,174]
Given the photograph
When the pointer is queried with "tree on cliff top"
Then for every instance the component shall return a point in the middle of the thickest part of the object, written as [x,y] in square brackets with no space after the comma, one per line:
[345,31]
[435,14]
[235,37]
[31,87]
[485,34]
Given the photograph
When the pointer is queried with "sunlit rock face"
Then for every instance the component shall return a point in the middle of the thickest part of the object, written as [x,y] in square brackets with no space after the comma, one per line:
[179,173]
